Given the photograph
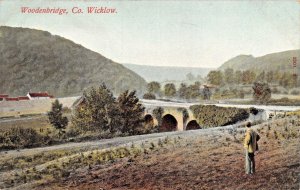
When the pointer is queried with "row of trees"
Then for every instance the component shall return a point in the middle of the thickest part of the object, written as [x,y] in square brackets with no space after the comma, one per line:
[230,76]
[261,92]
[169,90]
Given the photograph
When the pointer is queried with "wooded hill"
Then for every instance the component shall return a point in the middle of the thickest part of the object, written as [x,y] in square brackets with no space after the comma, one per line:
[39,61]
[271,62]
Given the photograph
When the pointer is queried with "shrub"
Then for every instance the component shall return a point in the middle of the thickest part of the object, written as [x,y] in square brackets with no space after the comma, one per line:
[261,92]
[56,118]
[149,96]
[152,146]
[160,143]
[18,137]
[253,110]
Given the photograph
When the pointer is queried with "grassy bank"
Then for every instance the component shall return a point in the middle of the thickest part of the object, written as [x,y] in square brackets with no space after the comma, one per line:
[272,102]
[53,166]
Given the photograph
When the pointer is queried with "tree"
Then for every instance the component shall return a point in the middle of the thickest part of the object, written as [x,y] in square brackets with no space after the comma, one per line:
[229,76]
[153,87]
[131,113]
[248,77]
[189,92]
[252,77]
[238,77]
[149,96]
[261,77]
[193,91]
[270,76]
[56,118]
[286,80]
[170,90]
[206,93]
[182,90]
[215,77]
[92,115]
[261,92]
[277,76]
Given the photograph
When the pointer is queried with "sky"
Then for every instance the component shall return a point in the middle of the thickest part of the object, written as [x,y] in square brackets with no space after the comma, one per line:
[168,33]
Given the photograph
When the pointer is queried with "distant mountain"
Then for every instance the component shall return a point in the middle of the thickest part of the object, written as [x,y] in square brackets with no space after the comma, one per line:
[166,73]
[275,61]
[38,61]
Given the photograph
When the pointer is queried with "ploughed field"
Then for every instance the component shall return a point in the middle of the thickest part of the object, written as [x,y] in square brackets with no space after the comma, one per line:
[199,159]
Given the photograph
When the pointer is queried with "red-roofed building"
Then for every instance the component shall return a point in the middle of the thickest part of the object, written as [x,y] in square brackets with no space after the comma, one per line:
[38,95]
[3,95]
[23,98]
[11,99]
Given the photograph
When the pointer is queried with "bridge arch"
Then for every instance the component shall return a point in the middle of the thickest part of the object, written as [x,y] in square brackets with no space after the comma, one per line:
[148,119]
[149,122]
[169,123]
[191,125]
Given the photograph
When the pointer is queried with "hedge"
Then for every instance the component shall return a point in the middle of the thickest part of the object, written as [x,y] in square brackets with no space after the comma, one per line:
[213,116]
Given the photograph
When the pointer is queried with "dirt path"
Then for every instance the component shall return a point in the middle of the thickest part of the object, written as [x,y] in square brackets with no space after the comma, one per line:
[106,143]
[19,119]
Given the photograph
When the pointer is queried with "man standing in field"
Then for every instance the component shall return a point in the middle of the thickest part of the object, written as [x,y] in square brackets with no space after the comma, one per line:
[250,144]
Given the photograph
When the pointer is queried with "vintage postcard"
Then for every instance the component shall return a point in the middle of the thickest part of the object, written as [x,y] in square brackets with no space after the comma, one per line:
[149,94]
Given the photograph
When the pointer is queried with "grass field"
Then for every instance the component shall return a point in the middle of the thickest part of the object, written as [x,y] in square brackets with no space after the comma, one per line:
[39,123]
[32,107]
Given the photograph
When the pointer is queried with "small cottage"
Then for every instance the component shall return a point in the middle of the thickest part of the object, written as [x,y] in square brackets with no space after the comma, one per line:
[38,95]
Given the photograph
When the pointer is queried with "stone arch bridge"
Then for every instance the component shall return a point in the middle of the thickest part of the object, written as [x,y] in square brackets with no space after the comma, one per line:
[171,118]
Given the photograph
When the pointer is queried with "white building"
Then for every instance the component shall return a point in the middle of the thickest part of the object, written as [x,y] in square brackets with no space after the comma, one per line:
[38,95]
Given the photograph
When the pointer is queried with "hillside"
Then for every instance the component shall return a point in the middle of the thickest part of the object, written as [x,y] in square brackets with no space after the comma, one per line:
[275,61]
[38,61]
[164,73]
